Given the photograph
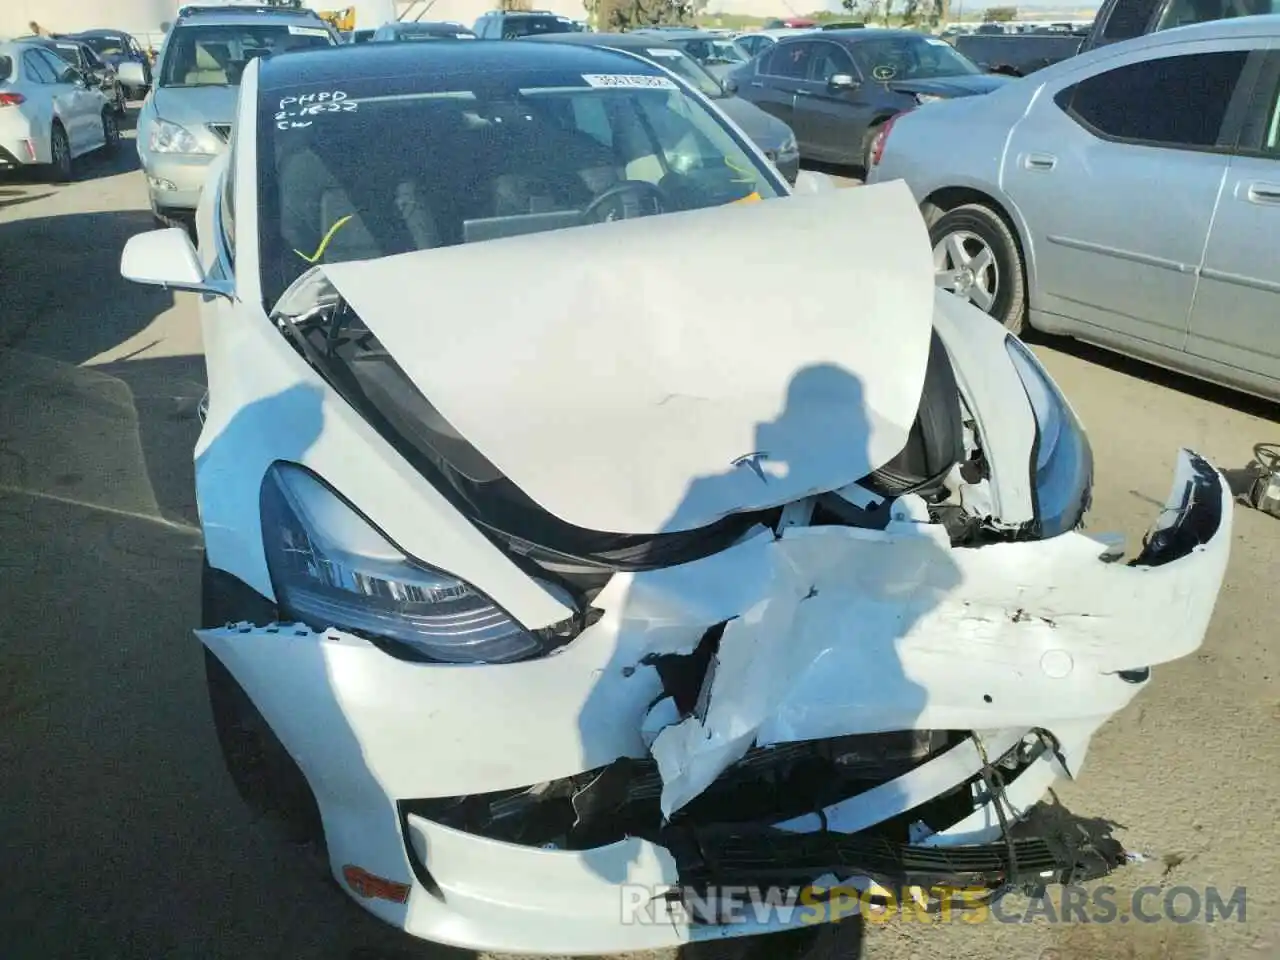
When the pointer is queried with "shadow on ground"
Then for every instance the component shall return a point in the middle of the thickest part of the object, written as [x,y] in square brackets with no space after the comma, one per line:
[1141,370]
[63,294]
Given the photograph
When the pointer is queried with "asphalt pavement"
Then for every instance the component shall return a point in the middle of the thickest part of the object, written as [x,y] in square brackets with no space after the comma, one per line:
[122,836]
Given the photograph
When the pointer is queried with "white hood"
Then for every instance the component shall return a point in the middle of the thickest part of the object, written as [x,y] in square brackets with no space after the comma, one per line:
[615,373]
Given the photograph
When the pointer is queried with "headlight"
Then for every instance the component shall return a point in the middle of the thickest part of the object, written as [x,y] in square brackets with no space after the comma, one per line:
[789,148]
[168,137]
[1062,461]
[928,97]
[331,568]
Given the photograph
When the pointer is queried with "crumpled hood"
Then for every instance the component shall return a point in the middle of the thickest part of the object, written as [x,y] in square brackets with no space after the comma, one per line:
[636,377]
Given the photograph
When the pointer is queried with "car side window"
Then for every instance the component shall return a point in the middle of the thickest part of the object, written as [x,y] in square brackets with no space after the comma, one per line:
[828,60]
[36,69]
[63,72]
[227,201]
[1178,101]
[1271,133]
[790,60]
[92,59]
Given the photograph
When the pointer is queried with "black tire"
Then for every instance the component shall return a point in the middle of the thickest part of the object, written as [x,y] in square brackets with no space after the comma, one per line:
[982,225]
[61,169]
[264,774]
[110,131]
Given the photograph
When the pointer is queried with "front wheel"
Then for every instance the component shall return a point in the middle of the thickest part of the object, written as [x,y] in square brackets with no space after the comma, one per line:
[869,145]
[60,168]
[110,131]
[976,257]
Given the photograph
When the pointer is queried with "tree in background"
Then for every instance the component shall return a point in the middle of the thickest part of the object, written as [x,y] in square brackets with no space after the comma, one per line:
[999,14]
[921,13]
[515,5]
[867,10]
[611,15]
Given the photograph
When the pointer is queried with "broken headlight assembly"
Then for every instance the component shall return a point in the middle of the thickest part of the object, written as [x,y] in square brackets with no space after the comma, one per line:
[331,568]
[1062,460]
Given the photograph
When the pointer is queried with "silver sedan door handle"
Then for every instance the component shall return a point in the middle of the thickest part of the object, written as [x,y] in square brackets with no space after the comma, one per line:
[1259,192]
[1039,161]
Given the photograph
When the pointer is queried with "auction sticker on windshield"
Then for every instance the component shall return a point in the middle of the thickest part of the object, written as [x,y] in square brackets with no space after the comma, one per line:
[298,31]
[632,80]
[661,52]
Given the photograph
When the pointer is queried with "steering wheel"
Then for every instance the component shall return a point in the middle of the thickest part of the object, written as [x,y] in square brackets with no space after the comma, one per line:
[616,195]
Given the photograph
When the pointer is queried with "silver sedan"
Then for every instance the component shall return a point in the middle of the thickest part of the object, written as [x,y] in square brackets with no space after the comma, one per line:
[1129,196]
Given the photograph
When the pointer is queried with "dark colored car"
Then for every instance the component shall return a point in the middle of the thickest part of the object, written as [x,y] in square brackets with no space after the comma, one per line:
[1117,20]
[514,24]
[115,47]
[401,31]
[836,88]
[771,135]
[357,36]
[715,51]
[95,70]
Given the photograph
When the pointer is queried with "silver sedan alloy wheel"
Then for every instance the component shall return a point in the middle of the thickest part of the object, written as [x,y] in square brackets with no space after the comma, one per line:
[965,265]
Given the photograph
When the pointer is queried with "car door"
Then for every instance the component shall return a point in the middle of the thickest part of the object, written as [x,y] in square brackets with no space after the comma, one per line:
[74,100]
[43,71]
[1235,319]
[1116,170]
[831,120]
[779,73]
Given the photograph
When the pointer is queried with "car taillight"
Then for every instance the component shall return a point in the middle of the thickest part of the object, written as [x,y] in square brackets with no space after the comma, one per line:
[882,137]
[11,99]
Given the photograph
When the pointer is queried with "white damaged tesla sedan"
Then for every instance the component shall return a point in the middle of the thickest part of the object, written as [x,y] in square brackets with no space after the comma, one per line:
[544,566]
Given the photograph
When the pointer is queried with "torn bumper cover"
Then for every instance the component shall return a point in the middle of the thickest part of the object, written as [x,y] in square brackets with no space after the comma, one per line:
[859,704]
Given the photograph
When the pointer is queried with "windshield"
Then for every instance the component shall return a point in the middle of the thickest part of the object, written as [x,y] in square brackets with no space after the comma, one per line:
[6,67]
[712,51]
[530,26]
[215,55]
[388,166]
[909,58]
[107,46]
[434,31]
[69,52]
[1181,13]
[686,69]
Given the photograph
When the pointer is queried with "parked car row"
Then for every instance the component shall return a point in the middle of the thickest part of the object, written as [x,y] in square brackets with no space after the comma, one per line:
[540,566]
[51,113]
[1128,196]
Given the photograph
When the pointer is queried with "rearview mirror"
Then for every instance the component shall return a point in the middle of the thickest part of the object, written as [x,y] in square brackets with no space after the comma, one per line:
[167,258]
[841,81]
[131,74]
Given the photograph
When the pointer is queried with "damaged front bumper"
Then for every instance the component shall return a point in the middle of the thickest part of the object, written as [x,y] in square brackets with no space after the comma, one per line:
[832,702]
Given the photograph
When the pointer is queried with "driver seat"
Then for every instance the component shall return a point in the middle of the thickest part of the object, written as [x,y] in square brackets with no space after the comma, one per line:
[206,68]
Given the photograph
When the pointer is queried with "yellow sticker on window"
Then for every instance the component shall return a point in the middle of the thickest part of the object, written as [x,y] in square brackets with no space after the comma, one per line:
[750,198]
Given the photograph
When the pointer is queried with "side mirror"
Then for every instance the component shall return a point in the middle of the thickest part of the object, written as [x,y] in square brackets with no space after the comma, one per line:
[841,81]
[167,258]
[131,74]
[729,85]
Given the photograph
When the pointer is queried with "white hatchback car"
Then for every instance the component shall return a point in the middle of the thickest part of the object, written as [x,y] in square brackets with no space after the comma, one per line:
[554,585]
[50,113]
